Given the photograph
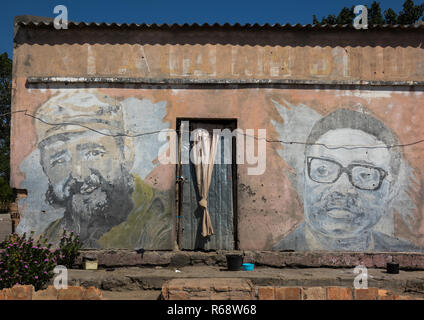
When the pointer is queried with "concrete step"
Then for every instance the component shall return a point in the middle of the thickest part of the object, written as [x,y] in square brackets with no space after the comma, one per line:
[141,278]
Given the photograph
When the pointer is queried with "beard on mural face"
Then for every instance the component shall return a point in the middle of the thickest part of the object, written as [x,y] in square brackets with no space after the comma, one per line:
[93,200]
[341,214]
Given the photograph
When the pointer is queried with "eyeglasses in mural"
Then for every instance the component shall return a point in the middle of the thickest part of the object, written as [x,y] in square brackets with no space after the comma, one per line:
[350,171]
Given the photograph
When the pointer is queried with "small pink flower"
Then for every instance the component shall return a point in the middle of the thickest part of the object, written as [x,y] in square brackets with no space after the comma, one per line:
[26,267]
[36,277]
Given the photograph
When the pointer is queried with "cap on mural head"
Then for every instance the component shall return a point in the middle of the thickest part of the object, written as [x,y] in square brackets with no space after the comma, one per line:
[77,111]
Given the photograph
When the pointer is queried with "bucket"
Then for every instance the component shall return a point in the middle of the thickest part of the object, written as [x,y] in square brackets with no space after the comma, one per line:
[90,263]
[234,262]
[248,266]
[392,267]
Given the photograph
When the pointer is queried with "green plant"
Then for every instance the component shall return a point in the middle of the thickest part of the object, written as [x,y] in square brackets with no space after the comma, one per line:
[26,261]
[69,247]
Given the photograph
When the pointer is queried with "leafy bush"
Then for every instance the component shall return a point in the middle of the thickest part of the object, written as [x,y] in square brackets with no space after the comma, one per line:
[70,245]
[26,261]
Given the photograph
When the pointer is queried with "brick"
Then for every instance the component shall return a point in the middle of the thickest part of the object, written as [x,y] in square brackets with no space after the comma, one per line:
[19,292]
[220,295]
[48,294]
[2,295]
[92,293]
[314,293]
[178,287]
[178,295]
[266,293]
[241,295]
[199,295]
[207,288]
[402,298]
[221,288]
[383,293]
[284,293]
[366,294]
[71,293]
[338,293]
[388,297]
[198,284]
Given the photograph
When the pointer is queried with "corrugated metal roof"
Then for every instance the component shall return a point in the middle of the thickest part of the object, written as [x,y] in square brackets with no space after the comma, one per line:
[34,21]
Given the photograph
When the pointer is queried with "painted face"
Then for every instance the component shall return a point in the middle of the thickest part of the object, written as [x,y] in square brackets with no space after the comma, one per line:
[85,170]
[346,191]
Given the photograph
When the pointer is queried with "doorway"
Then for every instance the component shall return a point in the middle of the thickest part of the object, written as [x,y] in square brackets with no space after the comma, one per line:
[222,200]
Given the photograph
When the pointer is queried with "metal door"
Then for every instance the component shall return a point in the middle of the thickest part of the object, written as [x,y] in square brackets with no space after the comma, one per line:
[220,198]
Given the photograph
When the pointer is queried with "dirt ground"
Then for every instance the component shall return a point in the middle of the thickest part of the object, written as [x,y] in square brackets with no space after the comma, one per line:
[141,283]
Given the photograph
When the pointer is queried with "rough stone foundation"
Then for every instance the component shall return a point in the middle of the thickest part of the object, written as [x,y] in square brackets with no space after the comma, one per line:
[128,258]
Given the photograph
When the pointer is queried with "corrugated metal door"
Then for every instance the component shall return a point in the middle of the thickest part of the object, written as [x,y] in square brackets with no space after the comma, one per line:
[220,201]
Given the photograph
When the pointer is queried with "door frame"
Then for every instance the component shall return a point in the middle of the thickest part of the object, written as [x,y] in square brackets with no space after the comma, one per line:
[231,123]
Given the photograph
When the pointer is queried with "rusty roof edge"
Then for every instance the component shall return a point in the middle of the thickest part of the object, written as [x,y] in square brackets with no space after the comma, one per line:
[182,81]
[35,21]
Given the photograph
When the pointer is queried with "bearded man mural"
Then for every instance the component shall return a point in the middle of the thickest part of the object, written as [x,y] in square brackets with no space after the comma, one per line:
[87,158]
[351,173]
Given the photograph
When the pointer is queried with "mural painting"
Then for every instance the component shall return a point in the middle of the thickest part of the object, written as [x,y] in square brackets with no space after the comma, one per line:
[337,177]
[351,175]
[93,162]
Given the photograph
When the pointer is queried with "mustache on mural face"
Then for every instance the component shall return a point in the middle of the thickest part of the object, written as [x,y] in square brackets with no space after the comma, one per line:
[338,200]
[88,185]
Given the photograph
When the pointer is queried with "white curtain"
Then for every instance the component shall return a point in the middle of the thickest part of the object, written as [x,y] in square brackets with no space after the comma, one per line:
[204,157]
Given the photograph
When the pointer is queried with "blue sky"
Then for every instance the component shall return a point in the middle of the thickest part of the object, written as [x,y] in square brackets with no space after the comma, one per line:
[178,11]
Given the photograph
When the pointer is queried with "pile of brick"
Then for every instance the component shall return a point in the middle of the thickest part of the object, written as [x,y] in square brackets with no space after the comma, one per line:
[27,292]
[326,293]
[243,289]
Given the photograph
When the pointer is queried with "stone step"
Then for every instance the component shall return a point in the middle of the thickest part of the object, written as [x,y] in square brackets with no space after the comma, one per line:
[208,288]
[136,278]
[128,258]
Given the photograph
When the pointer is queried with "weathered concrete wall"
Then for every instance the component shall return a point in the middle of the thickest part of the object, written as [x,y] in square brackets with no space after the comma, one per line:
[65,154]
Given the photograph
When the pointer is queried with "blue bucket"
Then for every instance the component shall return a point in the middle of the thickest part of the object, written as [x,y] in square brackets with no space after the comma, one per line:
[248,266]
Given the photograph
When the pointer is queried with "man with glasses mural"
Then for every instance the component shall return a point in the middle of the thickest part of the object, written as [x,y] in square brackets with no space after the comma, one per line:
[351,169]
